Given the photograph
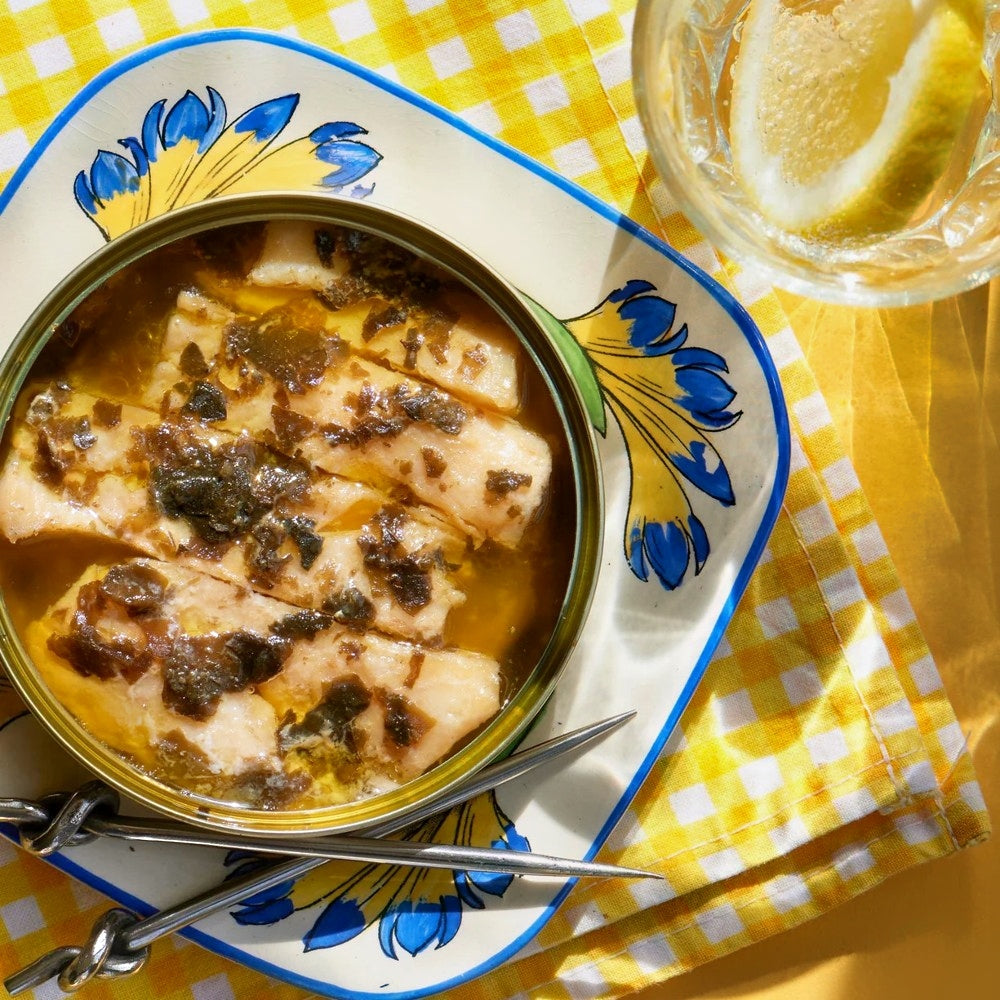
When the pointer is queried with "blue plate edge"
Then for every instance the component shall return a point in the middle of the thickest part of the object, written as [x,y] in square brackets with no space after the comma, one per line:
[725,299]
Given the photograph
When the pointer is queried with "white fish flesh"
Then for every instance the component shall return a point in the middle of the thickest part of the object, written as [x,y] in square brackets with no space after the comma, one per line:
[222,504]
[156,657]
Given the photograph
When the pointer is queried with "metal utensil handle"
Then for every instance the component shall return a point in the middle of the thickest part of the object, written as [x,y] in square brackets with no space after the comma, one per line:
[127,948]
[373,850]
[102,955]
[79,817]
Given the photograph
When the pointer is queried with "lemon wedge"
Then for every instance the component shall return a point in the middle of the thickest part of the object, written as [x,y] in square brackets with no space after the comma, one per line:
[844,114]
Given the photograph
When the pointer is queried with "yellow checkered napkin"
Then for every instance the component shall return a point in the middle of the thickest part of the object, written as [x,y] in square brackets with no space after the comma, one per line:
[820,754]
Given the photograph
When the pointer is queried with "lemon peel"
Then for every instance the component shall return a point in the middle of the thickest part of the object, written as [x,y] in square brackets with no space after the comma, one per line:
[844,115]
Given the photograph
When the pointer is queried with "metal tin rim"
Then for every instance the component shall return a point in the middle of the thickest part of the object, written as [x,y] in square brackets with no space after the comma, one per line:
[514,718]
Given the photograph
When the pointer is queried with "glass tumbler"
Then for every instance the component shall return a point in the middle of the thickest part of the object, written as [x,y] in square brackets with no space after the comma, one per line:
[683,59]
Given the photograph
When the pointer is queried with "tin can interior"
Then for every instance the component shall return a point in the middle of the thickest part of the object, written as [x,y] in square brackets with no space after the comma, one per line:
[515,716]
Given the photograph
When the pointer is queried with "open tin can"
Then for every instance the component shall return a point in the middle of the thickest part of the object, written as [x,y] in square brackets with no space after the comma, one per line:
[581,540]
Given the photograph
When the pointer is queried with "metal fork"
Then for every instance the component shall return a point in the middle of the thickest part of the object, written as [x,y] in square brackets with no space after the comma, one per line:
[120,940]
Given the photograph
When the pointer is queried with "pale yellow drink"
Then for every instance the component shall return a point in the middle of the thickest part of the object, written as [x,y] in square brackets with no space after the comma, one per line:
[844,146]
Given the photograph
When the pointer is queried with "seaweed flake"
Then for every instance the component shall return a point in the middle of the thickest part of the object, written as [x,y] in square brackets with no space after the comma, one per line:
[289,427]
[344,292]
[90,653]
[417,658]
[207,402]
[261,552]
[332,719]
[325,241]
[350,608]
[294,356]
[138,588]
[222,492]
[411,344]
[474,362]
[438,326]
[309,544]
[305,624]
[434,463]
[407,575]
[231,250]
[52,460]
[500,482]
[381,316]
[192,362]
[433,407]
[107,414]
[199,670]
[405,724]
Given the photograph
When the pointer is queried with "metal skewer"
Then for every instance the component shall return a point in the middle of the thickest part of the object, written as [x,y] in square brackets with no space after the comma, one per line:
[119,942]
[371,849]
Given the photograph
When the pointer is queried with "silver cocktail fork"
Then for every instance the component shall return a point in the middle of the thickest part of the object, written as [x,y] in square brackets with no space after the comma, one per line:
[120,940]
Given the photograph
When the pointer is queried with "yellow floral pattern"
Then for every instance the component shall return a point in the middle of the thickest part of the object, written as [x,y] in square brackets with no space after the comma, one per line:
[190,151]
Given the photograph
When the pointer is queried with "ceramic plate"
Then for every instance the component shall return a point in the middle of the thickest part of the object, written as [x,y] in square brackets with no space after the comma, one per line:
[693,443]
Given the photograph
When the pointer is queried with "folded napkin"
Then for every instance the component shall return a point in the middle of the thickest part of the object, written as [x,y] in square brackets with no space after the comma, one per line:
[819,755]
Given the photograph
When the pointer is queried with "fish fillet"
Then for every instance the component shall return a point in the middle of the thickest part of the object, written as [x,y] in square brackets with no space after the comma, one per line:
[312,540]
[354,418]
[130,716]
[152,656]
[459,343]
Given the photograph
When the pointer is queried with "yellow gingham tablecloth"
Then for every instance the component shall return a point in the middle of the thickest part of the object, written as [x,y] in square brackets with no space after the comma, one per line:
[820,754]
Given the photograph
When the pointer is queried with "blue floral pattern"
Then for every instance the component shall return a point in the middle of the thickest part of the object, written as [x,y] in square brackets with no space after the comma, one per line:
[191,151]
[632,358]
[415,908]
